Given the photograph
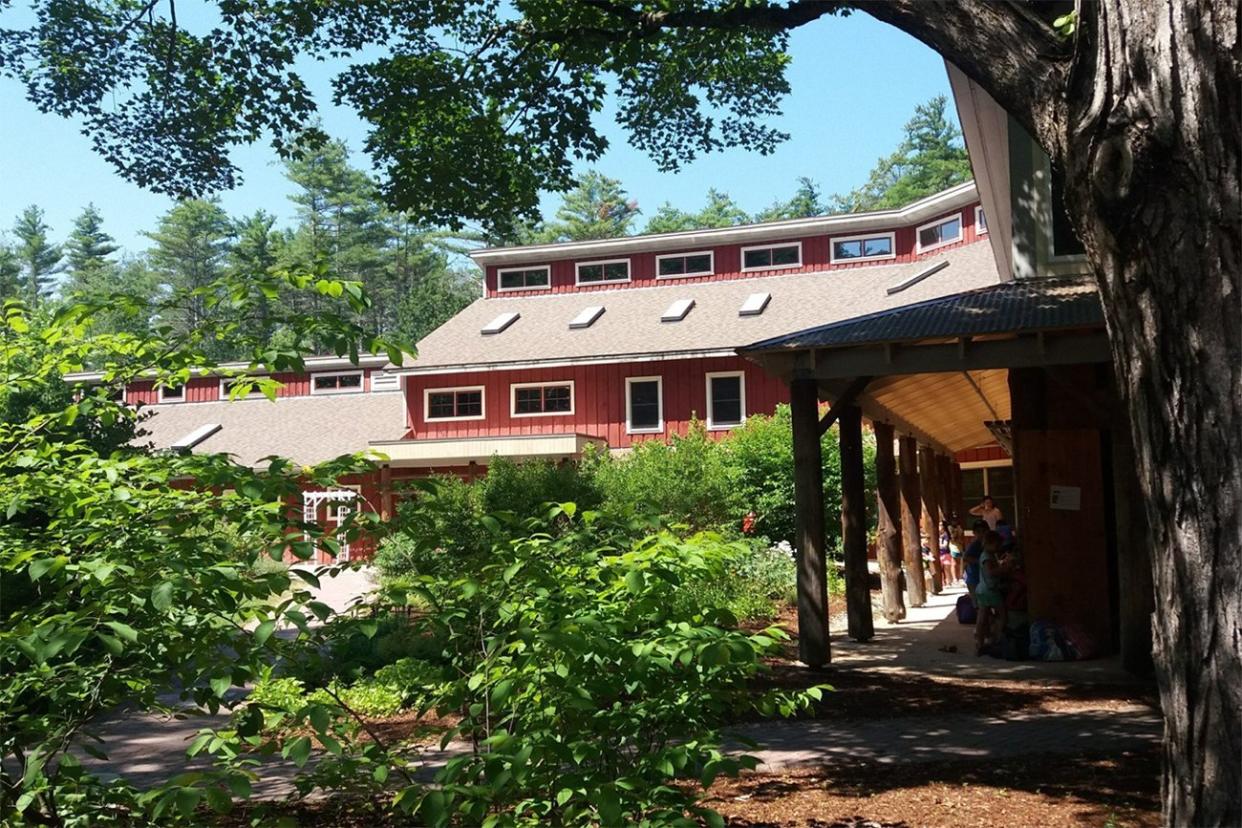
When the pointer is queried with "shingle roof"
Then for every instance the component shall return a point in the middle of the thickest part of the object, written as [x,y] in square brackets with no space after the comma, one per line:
[631,325]
[307,430]
[1025,305]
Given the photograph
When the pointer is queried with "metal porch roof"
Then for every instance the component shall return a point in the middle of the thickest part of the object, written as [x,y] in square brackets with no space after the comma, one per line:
[1022,306]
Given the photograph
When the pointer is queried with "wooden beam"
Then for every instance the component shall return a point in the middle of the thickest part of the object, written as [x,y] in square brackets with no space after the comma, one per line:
[813,643]
[1018,352]
[888,504]
[385,487]
[846,398]
[875,412]
[910,497]
[854,525]
[931,513]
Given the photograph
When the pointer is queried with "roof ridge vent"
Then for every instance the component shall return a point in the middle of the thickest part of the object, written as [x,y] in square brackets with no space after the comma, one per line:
[754,304]
[586,318]
[500,323]
[677,311]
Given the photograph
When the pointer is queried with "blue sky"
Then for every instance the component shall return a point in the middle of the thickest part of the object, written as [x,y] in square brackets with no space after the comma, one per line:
[855,83]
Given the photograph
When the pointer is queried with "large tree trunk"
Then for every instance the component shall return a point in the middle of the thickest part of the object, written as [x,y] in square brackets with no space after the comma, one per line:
[1153,160]
[1140,108]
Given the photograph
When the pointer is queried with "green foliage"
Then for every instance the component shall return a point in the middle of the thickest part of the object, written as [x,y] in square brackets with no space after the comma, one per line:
[596,208]
[38,259]
[592,689]
[689,480]
[520,487]
[719,211]
[931,158]
[756,584]
[119,582]
[481,108]
[438,532]
[806,202]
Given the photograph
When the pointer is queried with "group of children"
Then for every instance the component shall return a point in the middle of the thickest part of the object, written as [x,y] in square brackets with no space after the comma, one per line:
[990,566]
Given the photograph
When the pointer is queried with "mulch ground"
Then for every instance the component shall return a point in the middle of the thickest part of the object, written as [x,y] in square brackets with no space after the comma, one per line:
[1044,791]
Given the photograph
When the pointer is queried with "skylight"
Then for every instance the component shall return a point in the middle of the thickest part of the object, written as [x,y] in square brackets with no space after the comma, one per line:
[919,276]
[587,317]
[754,304]
[501,322]
[677,311]
[196,436]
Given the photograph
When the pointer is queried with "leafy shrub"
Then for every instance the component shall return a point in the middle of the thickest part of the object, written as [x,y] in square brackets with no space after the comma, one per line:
[286,694]
[436,530]
[689,480]
[590,687]
[367,697]
[522,487]
[756,583]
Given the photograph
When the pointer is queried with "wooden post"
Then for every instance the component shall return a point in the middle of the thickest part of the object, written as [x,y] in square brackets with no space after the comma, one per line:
[813,645]
[854,525]
[1136,596]
[888,503]
[910,497]
[385,487]
[958,502]
[944,476]
[931,513]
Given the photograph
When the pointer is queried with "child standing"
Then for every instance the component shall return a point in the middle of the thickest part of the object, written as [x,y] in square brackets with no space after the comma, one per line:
[988,595]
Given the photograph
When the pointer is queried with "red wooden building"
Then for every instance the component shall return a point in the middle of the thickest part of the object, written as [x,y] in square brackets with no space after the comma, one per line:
[604,342]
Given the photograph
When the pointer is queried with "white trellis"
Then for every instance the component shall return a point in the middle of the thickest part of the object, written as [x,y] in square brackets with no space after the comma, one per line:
[343,499]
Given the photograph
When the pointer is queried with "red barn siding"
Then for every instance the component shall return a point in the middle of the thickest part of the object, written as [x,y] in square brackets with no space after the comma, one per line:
[816,257]
[983,454]
[599,398]
[207,389]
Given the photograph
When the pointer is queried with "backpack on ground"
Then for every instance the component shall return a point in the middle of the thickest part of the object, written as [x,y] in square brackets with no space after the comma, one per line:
[966,611]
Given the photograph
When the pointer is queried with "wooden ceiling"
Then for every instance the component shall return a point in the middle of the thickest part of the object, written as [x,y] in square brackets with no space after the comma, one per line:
[948,409]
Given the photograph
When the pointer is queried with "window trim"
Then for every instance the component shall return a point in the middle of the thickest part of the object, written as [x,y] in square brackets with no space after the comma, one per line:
[629,272]
[629,406]
[500,271]
[892,246]
[362,383]
[513,389]
[961,232]
[770,245]
[224,382]
[711,271]
[162,400]
[711,424]
[980,221]
[427,392]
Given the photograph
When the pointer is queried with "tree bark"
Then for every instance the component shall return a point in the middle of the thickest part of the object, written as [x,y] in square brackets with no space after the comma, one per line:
[930,488]
[916,586]
[888,503]
[813,642]
[854,525]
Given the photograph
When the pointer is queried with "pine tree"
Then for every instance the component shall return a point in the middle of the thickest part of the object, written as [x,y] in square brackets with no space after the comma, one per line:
[931,158]
[88,247]
[254,254]
[40,259]
[597,208]
[806,202]
[190,253]
[10,273]
[720,211]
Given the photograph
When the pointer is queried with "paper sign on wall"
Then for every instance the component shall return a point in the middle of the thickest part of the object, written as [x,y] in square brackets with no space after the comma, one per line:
[1067,498]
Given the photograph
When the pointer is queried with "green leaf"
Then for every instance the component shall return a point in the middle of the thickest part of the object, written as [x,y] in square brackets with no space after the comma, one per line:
[299,751]
[634,581]
[264,631]
[43,566]
[564,795]
[162,595]
[112,643]
[124,631]
[220,685]
[380,774]
[500,693]
[219,800]
[306,575]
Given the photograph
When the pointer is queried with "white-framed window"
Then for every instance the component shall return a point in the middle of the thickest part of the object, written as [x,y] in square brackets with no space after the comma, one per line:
[602,272]
[938,233]
[227,383]
[460,403]
[171,393]
[683,265]
[772,256]
[541,399]
[524,278]
[981,221]
[644,405]
[726,400]
[995,479]
[340,382]
[863,248]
